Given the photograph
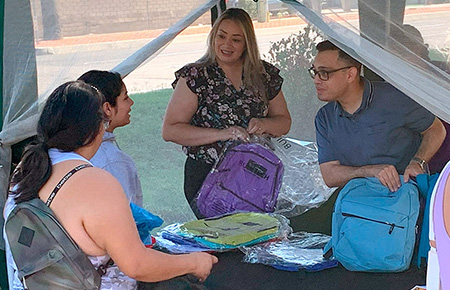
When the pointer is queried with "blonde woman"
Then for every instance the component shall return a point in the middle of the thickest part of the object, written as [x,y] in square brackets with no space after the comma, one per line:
[226,95]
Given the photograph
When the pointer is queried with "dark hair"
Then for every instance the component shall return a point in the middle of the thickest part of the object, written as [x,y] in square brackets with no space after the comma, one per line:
[343,56]
[109,83]
[70,119]
[410,37]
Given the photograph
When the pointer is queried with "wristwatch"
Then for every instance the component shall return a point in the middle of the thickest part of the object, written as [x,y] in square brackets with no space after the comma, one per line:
[422,163]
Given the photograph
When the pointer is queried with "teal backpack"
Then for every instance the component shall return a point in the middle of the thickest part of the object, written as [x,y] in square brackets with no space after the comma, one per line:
[373,229]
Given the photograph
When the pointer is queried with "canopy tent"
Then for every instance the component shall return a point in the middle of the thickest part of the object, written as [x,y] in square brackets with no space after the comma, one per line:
[48,42]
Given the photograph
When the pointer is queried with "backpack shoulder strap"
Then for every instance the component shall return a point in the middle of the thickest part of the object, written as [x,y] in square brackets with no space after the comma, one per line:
[63,180]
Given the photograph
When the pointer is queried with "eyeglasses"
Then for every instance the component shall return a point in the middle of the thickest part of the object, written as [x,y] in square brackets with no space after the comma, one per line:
[324,75]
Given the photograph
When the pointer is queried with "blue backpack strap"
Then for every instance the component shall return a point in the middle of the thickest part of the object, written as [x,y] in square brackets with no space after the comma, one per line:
[425,183]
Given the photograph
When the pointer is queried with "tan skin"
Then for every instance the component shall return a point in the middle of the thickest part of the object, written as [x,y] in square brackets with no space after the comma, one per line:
[346,87]
[119,114]
[229,46]
[102,225]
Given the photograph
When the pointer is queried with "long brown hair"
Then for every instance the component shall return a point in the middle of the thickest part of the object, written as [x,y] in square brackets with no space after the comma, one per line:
[254,71]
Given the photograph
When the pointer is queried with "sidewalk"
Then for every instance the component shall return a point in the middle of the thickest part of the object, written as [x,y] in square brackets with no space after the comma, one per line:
[123,39]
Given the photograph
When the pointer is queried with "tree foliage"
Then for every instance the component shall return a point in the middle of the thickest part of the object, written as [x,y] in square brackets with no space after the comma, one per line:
[293,56]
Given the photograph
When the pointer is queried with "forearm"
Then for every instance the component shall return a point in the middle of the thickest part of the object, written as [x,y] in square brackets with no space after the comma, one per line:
[158,266]
[277,125]
[335,175]
[339,175]
[431,141]
[189,135]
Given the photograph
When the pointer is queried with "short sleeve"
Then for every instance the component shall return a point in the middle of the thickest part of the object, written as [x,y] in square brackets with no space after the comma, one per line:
[194,75]
[274,80]
[325,149]
[418,119]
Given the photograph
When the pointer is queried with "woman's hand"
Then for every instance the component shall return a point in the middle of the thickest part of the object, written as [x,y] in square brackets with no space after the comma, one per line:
[203,264]
[276,123]
[235,133]
[256,126]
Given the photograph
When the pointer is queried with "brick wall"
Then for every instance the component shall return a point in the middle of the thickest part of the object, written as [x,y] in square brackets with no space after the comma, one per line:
[80,17]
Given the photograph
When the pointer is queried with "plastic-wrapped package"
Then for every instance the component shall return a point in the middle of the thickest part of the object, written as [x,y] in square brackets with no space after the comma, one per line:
[299,250]
[247,177]
[169,239]
[303,187]
[223,233]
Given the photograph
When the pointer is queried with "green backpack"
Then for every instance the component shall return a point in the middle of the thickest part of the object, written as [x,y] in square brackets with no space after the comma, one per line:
[45,255]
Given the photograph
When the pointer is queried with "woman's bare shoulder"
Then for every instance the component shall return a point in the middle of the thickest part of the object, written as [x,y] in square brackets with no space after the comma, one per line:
[97,182]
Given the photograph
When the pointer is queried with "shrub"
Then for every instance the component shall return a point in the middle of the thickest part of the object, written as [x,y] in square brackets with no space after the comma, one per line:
[293,56]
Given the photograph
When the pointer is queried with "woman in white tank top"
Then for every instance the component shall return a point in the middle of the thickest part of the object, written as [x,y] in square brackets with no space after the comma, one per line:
[91,206]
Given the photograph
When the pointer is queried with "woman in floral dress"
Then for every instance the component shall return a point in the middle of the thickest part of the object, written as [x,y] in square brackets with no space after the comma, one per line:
[228,94]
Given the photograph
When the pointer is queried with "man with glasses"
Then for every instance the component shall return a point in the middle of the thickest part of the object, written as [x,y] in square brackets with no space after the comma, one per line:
[368,128]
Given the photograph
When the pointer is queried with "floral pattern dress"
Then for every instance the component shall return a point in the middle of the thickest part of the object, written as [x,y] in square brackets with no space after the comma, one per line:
[221,105]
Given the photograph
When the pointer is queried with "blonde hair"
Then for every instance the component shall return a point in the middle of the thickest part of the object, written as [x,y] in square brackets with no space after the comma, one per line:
[254,71]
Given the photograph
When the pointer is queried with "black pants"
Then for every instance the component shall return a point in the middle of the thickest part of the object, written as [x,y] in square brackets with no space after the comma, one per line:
[316,220]
[195,172]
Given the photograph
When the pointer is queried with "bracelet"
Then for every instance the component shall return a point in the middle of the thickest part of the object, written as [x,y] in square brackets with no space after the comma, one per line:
[422,163]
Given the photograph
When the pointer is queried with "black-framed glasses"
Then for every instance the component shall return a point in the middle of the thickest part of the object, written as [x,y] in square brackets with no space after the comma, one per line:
[324,75]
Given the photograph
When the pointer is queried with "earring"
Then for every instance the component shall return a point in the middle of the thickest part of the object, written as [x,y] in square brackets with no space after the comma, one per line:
[106,124]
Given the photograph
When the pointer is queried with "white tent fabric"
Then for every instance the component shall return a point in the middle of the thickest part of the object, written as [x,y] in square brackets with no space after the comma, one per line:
[423,82]
[150,50]
[19,86]
[32,71]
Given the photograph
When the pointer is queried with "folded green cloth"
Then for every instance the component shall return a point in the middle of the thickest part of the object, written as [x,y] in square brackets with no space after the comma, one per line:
[233,230]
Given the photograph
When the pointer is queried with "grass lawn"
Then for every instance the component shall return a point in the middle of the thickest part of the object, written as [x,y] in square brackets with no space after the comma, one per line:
[159,164]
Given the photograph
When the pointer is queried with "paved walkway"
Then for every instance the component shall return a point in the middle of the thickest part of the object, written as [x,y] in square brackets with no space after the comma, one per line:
[279,22]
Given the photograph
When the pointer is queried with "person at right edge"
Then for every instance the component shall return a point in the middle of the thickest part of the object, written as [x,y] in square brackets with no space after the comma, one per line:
[367,129]
[228,94]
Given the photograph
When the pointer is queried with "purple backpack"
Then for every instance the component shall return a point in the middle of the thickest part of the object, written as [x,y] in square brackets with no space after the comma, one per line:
[247,178]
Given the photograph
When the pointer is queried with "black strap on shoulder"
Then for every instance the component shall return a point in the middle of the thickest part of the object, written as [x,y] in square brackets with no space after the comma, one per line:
[63,180]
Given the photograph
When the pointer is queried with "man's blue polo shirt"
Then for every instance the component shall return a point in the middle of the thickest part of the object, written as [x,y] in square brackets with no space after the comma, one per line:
[386,129]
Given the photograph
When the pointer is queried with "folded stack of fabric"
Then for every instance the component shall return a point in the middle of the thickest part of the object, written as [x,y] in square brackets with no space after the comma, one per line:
[223,233]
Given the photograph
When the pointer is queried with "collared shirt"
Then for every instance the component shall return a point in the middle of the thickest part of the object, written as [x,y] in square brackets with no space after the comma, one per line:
[386,129]
[221,105]
[110,158]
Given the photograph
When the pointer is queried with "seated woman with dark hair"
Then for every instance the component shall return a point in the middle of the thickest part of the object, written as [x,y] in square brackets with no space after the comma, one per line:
[116,106]
[70,131]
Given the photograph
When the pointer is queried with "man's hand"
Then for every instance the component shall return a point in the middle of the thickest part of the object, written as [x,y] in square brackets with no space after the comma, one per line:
[387,174]
[413,169]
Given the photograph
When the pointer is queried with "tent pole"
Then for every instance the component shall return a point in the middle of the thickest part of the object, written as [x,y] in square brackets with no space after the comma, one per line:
[379,13]
[217,10]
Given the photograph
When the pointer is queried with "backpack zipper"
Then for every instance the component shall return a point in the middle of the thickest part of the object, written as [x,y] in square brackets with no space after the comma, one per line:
[391,228]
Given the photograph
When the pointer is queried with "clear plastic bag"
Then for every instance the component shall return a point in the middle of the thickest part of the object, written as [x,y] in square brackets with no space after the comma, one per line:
[223,233]
[303,187]
[247,177]
[299,250]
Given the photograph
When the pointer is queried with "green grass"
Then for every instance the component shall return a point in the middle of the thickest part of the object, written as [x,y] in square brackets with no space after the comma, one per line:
[159,164]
